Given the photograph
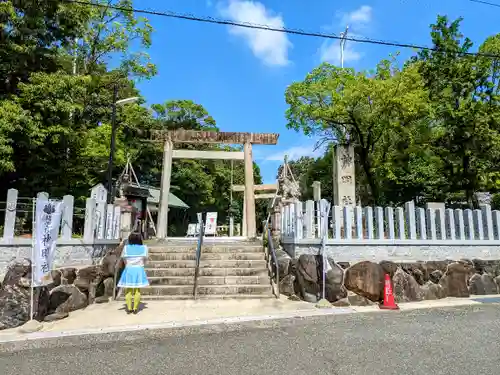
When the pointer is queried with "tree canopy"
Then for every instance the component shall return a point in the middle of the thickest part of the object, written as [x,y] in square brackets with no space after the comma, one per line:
[424,129]
[59,65]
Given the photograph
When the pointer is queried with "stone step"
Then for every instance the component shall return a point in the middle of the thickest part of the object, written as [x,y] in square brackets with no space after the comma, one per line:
[168,272]
[163,290]
[208,280]
[203,297]
[206,256]
[206,264]
[207,249]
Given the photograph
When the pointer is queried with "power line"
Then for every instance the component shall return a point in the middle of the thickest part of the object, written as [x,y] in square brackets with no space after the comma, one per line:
[248,25]
[485,3]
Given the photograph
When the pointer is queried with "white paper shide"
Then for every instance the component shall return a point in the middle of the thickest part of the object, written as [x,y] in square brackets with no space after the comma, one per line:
[47,223]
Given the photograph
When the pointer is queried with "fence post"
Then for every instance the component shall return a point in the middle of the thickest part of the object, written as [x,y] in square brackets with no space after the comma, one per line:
[67,220]
[440,224]
[10,214]
[90,217]
[379,223]
[298,221]
[431,223]
[389,215]
[309,219]
[358,222]
[369,222]
[469,224]
[109,221]
[400,220]
[477,216]
[347,223]
[487,221]
[410,220]
[117,222]
[459,224]
[421,225]
[450,224]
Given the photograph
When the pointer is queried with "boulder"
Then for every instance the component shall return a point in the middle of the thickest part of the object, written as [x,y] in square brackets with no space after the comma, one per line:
[56,316]
[432,291]
[67,298]
[111,261]
[307,276]
[482,284]
[287,285]
[15,296]
[435,276]
[405,287]
[334,286]
[389,267]
[366,279]
[454,280]
[87,280]
[283,262]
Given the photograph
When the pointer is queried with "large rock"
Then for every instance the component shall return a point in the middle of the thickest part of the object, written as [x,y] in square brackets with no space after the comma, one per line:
[67,298]
[283,260]
[287,285]
[366,279]
[15,296]
[111,261]
[432,291]
[406,288]
[482,284]
[308,272]
[334,286]
[454,280]
[307,276]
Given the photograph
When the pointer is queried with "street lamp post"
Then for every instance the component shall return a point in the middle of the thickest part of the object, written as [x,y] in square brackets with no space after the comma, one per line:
[113,138]
[342,45]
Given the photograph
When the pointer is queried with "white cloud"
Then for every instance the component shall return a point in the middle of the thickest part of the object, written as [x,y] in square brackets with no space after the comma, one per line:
[357,20]
[269,46]
[295,153]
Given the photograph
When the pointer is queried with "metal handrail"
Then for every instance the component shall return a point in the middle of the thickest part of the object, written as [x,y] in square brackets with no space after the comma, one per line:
[197,258]
[271,258]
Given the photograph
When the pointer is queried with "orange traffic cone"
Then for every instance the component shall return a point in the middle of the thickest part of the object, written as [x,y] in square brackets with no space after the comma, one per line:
[389,303]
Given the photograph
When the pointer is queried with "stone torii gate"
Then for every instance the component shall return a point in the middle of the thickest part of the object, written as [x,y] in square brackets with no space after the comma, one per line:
[230,138]
[264,187]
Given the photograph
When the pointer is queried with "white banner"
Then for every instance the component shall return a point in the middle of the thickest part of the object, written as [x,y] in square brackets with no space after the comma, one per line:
[47,222]
[211,223]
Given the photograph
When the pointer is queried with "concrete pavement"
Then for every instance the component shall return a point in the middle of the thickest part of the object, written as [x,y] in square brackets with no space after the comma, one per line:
[111,317]
[452,340]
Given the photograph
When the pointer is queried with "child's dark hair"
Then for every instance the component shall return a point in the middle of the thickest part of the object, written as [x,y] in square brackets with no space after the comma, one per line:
[135,239]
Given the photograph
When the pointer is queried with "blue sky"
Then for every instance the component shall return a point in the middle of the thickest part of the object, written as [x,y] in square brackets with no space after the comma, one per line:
[240,75]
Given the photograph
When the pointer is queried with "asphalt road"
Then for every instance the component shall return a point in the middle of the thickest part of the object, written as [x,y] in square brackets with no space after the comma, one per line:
[452,341]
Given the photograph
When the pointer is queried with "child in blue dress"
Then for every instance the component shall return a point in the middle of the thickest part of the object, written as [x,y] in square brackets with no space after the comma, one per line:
[134,276]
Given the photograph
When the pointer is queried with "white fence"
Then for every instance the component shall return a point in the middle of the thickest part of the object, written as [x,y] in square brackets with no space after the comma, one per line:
[102,221]
[301,221]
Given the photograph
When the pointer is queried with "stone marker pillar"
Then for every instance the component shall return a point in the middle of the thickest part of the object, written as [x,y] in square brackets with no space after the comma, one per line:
[344,186]
[10,214]
[161,230]
[67,220]
[244,217]
[249,193]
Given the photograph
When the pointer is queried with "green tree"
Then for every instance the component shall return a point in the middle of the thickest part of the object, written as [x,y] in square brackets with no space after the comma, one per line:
[461,91]
[340,106]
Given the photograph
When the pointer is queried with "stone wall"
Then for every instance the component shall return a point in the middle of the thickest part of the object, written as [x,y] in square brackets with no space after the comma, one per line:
[69,253]
[355,274]
[404,251]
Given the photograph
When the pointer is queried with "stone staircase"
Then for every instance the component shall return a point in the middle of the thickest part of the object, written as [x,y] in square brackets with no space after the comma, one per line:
[235,269]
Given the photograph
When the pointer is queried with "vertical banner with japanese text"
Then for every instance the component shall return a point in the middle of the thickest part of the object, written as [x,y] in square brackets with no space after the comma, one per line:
[47,222]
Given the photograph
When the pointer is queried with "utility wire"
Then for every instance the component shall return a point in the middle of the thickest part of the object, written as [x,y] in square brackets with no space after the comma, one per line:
[485,3]
[248,25]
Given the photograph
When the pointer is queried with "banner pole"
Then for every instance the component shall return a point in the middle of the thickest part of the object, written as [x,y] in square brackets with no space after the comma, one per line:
[33,231]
